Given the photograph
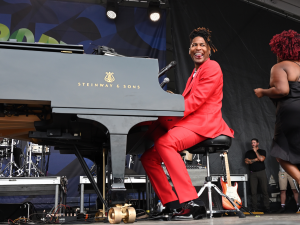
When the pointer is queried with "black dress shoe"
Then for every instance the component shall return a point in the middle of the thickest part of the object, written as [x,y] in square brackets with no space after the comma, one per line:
[190,211]
[165,214]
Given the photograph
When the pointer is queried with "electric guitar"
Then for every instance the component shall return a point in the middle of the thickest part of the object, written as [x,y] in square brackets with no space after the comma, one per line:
[229,190]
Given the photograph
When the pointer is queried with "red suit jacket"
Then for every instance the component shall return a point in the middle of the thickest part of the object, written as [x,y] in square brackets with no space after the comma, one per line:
[203,102]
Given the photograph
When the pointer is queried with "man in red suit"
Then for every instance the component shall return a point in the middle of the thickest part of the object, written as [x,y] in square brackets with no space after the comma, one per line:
[202,119]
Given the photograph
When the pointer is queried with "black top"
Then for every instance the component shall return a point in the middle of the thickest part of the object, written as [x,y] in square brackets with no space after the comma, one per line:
[256,166]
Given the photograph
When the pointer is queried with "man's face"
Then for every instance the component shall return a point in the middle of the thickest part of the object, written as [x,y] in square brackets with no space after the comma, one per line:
[199,50]
[254,144]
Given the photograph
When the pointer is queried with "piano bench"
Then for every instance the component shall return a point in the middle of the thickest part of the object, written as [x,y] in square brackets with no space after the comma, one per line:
[212,145]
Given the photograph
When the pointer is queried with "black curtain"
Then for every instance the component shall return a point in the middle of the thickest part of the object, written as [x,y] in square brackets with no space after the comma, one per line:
[241,32]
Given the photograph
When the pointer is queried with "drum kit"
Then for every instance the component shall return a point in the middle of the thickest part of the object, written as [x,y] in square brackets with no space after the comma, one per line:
[15,162]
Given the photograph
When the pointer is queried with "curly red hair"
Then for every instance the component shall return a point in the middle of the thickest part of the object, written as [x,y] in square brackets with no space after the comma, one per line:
[286,45]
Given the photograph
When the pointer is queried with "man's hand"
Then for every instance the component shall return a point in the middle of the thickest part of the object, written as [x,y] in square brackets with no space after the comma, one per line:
[250,161]
[259,92]
[247,161]
[254,160]
[260,158]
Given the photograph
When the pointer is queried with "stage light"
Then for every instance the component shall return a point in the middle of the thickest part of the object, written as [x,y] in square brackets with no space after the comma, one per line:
[154,11]
[112,10]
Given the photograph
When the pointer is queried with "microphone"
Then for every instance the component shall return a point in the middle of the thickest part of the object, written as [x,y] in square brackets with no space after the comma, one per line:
[168,67]
[165,81]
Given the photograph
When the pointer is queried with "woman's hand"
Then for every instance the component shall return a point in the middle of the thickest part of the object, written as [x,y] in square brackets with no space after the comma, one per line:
[259,92]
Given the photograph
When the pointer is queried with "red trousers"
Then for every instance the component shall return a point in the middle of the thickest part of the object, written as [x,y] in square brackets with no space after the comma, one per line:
[167,145]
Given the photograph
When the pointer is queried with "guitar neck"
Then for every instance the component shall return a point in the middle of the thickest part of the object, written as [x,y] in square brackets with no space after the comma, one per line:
[227,169]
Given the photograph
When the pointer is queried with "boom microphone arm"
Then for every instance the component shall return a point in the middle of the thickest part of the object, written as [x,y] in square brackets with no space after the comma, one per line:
[167,68]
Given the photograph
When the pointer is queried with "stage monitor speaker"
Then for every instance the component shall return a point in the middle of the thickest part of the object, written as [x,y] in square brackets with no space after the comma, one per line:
[13,211]
[196,173]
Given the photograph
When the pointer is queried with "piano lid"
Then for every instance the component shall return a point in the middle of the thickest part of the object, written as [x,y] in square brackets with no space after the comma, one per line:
[78,49]
[86,84]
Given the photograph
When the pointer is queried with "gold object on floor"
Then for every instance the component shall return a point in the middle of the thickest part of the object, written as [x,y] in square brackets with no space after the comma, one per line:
[121,212]
[99,216]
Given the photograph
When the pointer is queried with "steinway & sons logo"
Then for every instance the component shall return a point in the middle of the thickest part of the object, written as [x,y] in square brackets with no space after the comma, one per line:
[109,78]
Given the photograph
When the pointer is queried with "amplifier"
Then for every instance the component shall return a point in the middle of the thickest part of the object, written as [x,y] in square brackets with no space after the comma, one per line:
[197,174]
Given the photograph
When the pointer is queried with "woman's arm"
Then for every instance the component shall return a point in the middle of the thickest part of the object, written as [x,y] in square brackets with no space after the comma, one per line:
[279,84]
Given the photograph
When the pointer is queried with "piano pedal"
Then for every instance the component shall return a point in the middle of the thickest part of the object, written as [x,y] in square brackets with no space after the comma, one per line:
[121,212]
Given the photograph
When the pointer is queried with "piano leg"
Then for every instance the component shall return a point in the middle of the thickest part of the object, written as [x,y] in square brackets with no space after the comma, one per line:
[89,175]
[118,156]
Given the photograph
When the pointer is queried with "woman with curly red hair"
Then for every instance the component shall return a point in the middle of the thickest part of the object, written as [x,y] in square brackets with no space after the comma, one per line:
[285,92]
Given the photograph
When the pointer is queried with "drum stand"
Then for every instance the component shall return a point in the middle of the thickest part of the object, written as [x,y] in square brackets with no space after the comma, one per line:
[8,170]
[11,157]
[2,155]
[29,165]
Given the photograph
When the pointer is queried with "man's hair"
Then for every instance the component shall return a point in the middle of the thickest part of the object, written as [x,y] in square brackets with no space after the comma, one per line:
[286,45]
[255,139]
[205,34]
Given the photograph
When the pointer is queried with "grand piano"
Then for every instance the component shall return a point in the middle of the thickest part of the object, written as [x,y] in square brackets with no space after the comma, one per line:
[82,103]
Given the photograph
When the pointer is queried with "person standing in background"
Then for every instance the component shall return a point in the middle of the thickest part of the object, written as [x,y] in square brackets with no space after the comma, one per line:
[283,178]
[255,159]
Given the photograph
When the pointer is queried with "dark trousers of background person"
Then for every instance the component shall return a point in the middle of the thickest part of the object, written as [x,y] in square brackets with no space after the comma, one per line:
[261,178]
